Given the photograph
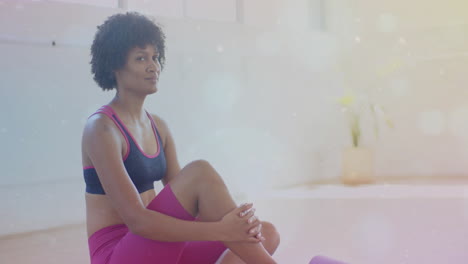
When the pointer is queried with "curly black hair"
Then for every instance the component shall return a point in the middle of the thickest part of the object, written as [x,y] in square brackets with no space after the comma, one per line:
[115,38]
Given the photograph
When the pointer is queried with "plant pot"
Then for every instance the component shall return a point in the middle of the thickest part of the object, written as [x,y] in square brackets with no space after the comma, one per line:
[358,166]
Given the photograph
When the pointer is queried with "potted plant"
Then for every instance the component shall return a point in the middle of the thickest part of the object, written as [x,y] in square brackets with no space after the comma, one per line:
[358,160]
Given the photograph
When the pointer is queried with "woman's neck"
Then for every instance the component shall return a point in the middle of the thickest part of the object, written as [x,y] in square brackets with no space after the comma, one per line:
[129,106]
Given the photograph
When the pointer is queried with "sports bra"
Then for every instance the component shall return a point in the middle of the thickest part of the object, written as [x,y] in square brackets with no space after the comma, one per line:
[143,169]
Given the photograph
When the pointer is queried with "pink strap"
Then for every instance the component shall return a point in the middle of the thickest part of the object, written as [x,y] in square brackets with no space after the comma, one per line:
[153,123]
[109,113]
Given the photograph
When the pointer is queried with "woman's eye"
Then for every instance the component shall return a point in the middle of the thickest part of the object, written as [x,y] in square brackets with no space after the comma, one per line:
[140,58]
[156,58]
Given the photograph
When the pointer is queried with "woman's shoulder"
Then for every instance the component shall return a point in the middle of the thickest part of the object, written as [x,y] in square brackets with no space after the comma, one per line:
[98,122]
[100,134]
[161,125]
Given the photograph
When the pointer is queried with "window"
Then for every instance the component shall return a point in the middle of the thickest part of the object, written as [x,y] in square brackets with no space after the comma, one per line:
[218,10]
[104,3]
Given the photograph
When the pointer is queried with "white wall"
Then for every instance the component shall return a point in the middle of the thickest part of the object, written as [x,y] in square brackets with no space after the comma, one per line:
[238,95]
[257,99]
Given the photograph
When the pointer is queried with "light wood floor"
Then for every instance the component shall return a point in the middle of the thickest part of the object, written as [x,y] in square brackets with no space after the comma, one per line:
[62,245]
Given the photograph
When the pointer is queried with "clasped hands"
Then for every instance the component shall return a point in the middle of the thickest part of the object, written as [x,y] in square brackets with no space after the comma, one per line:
[242,225]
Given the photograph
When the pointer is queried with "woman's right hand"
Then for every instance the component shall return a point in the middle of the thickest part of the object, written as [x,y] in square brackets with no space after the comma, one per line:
[241,225]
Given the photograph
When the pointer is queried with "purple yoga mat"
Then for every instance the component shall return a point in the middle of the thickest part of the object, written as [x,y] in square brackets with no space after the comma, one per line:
[325,260]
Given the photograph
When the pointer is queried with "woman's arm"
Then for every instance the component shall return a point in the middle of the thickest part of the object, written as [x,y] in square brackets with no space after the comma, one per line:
[103,146]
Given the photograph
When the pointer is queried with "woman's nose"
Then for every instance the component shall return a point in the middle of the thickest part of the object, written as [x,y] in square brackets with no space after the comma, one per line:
[154,67]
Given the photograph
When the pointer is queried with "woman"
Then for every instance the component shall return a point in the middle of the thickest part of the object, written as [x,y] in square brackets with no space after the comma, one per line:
[125,149]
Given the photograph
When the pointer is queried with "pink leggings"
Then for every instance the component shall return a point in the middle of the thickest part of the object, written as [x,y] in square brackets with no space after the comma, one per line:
[116,245]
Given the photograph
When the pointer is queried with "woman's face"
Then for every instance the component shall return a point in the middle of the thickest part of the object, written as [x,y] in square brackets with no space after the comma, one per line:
[141,71]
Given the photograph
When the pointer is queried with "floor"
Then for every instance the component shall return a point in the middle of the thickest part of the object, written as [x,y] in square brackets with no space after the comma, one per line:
[54,246]
[385,223]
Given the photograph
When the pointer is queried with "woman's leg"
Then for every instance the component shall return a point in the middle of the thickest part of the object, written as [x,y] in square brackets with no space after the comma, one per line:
[201,191]
[203,252]
[270,244]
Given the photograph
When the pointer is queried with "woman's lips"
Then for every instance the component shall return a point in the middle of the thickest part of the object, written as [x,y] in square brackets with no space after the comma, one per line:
[152,79]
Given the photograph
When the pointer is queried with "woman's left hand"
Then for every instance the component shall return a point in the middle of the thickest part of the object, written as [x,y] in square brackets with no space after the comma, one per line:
[252,218]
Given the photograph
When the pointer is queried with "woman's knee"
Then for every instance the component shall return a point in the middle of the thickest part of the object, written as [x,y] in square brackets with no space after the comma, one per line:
[270,232]
[201,170]
[199,165]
